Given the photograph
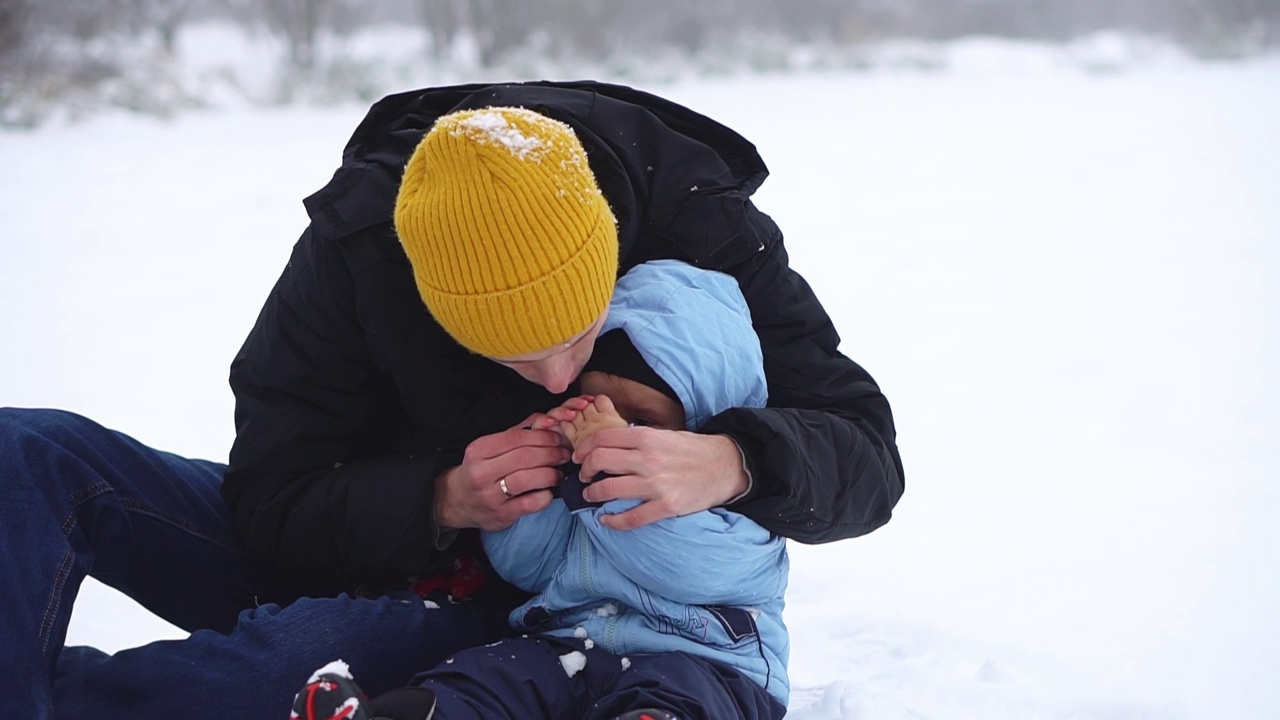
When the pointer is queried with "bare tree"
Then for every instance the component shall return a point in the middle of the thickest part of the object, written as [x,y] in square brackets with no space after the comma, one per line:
[164,17]
[301,22]
[445,21]
[1228,27]
[499,26]
[14,15]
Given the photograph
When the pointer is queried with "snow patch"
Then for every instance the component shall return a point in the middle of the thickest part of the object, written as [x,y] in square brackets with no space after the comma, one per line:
[491,127]
[573,663]
[337,667]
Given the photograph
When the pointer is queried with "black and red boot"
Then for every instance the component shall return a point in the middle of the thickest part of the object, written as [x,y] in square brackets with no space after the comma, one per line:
[331,694]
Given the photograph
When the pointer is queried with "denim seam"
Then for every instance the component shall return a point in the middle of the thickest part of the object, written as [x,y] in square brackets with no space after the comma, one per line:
[77,499]
[55,601]
[80,497]
[68,524]
[143,508]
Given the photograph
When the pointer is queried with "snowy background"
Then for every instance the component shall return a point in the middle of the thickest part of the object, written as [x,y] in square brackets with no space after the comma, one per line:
[1061,269]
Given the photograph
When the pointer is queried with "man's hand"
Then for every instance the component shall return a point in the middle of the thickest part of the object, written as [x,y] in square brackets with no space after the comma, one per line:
[524,459]
[673,472]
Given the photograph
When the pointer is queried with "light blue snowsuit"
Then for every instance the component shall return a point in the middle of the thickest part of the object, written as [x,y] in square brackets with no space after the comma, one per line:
[711,583]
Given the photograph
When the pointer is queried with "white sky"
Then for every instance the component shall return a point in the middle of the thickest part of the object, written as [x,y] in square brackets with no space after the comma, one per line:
[1064,282]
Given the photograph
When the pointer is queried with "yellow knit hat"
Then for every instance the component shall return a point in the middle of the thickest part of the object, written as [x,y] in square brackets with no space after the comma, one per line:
[513,246]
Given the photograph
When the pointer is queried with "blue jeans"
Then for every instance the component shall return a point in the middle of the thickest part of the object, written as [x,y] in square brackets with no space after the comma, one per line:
[78,499]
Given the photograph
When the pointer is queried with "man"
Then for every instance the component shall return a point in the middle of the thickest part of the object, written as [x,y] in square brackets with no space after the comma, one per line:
[393,396]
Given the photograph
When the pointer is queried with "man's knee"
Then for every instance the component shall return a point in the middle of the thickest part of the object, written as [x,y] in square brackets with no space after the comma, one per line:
[23,429]
[58,453]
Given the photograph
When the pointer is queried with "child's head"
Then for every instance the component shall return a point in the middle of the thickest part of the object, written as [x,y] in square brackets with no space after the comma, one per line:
[618,371]
[684,334]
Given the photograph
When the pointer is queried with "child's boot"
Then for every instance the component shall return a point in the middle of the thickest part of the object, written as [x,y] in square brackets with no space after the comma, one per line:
[331,694]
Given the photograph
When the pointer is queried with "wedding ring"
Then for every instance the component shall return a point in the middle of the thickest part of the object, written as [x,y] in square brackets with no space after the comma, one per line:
[502,485]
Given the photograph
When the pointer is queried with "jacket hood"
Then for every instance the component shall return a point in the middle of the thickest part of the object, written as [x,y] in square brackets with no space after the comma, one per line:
[694,329]
[664,168]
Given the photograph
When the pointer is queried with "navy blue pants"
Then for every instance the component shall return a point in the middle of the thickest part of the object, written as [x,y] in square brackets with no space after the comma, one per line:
[525,678]
[78,499]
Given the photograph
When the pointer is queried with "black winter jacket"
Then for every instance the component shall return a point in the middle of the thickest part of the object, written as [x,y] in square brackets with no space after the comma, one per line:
[350,399]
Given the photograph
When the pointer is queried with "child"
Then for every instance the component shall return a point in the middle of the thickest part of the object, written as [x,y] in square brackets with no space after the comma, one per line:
[679,618]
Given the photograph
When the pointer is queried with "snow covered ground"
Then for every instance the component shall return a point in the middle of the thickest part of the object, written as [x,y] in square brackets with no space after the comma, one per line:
[1064,281]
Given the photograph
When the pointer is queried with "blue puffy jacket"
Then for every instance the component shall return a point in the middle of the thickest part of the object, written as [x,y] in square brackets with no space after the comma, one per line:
[709,584]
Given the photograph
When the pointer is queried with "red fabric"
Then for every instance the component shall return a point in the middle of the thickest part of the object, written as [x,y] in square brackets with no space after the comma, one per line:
[467,579]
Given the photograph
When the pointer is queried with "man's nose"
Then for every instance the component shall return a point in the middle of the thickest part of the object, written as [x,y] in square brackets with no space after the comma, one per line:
[559,374]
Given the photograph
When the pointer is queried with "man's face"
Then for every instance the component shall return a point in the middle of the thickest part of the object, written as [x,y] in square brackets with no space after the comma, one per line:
[556,368]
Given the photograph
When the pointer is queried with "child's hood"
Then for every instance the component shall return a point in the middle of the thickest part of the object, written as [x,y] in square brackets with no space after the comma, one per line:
[693,327]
